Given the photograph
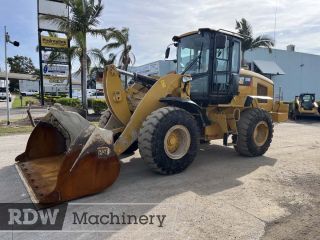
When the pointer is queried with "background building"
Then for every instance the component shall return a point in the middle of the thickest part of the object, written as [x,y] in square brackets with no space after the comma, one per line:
[157,68]
[292,72]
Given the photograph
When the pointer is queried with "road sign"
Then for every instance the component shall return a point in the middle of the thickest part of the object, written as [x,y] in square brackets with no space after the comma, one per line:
[54,42]
[55,70]
[60,59]
[53,8]
[55,80]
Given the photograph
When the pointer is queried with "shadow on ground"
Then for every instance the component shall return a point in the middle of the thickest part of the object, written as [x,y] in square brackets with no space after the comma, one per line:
[307,120]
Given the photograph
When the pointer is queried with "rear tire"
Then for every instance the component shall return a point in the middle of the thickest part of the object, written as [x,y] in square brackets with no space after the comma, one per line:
[169,140]
[255,132]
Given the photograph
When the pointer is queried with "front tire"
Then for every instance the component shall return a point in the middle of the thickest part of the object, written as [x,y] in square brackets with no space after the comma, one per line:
[169,140]
[255,132]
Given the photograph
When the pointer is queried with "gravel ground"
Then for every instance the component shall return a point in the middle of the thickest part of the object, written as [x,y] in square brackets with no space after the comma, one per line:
[220,196]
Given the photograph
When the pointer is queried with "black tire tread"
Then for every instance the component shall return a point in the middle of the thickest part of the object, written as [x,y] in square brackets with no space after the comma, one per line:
[245,125]
[147,137]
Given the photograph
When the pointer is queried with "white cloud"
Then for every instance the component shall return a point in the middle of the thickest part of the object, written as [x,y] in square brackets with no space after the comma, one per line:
[153,23]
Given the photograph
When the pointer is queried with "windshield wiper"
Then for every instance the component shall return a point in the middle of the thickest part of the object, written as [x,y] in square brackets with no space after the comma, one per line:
[194,61]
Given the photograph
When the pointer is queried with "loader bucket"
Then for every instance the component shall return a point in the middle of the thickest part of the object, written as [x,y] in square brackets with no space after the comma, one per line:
[67,158]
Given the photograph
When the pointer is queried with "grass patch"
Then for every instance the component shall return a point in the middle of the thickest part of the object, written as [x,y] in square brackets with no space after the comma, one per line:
[25,101]
[13,130]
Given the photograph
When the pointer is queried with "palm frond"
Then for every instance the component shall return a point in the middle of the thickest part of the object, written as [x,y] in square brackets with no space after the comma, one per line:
[111,46]
[244,28]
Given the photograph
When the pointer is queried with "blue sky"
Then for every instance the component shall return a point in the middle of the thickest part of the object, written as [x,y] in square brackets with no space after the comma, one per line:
[153,23]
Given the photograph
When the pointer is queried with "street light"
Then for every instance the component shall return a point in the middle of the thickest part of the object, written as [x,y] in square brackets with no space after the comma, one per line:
[16,44]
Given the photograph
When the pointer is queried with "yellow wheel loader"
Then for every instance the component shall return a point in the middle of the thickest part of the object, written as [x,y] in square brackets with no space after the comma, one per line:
[208,97]
[304,105]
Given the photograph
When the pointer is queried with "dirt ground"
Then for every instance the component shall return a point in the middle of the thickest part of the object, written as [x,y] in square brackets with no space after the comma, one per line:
[220,196]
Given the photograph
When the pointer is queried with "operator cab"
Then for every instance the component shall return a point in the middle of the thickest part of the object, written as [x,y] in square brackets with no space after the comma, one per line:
[307,100]
[212,58]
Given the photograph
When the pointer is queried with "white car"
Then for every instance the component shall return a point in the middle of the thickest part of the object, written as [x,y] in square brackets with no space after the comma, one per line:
[3,95]
[29,93]
[91,91]
[97,94]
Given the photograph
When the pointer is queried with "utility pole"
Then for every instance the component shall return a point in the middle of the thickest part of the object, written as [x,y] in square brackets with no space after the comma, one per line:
[16,44]
[6,69]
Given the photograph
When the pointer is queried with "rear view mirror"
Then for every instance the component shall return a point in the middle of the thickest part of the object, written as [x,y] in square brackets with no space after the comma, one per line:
[167,54]
[221,41]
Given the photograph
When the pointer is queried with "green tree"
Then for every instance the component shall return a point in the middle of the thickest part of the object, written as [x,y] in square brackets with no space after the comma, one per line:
[20,64]
[84,19]
[101,62]
[120,40]
[249,42]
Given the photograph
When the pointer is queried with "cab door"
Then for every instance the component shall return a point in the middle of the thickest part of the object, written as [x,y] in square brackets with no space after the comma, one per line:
[226,68]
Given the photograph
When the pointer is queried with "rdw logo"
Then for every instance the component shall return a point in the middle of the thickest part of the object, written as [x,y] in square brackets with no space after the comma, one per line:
[26,216]
[31,216]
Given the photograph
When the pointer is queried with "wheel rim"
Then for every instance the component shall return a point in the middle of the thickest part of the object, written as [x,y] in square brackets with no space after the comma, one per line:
[261,133]
[177,142]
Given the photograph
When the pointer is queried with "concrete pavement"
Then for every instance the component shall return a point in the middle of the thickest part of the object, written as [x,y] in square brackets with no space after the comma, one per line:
[220,196]
[19,113]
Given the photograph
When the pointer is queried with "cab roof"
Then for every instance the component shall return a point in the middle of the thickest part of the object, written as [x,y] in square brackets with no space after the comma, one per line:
[226,32]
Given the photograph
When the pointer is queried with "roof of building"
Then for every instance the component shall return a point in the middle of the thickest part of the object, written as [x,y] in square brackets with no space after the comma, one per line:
[18,76]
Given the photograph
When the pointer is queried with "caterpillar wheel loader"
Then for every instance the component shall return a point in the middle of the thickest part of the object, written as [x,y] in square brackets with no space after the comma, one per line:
[304,105]
[208,97]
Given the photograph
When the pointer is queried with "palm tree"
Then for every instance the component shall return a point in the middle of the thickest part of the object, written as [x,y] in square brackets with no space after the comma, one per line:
[84,18]
[120,40]
[101,62]
[249,42]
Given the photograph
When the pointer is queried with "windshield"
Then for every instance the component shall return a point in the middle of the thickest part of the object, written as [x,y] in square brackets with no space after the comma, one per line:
[190,48]
[307,98]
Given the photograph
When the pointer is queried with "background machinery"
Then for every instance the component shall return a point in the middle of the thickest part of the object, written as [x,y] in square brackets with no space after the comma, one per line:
[304,105]
[208,98]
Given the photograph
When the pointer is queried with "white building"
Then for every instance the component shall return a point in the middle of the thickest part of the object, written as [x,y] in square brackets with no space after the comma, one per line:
[292,72]
[157,68]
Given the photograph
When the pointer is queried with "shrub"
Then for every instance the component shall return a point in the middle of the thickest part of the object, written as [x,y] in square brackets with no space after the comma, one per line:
[98,105]
[72,102]
[30,101]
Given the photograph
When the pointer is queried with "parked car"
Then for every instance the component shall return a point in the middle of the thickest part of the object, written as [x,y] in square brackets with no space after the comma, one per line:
[29,93]
[97,94]
[3,95]
[91,91]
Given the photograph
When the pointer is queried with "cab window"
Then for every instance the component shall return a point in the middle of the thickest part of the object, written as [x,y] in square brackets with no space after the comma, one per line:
[235,67]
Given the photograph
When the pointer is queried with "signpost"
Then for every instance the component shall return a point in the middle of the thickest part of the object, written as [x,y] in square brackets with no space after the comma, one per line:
[61,65]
